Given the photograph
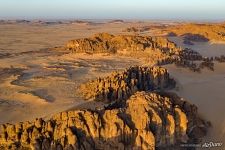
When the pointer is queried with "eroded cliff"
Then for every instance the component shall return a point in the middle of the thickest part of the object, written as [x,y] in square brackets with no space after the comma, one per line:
[121,85]
[148,120]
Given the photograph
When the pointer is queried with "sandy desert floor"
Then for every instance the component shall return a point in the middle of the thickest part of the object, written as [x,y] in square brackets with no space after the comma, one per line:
[47,84]
[36,82]
[205,89]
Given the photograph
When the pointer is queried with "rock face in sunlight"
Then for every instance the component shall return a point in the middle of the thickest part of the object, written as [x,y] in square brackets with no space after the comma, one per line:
[120,86]
[147,120]
[107,43]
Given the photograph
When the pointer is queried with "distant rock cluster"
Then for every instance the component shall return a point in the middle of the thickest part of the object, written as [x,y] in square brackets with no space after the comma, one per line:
[188,58]
[120,86]
[147,121]
[116,21]
[194,61]
[190,54]
[220,58]
[50,22]
[131,29]
[108,43]
[156,49]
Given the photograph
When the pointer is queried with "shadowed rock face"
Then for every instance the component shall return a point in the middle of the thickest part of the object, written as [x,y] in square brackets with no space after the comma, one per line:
[147,120]
[107,43]
[189,38]
[198,32]
[120,86]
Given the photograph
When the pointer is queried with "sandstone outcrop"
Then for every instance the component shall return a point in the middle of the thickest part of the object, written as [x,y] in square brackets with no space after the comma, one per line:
[131,29]
[147,121]
[198,32]
[120,86]
[107,43]
[116,21]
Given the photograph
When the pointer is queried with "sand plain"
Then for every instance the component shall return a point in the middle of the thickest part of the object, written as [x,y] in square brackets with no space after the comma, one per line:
[205,89]
[38,82]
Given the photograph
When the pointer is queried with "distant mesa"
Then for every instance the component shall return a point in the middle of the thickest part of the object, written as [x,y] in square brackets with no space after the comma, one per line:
[116,21]
[22,21]
[14,21]
[138,29]
[42,22]
[131,29]
[198,32]
[82,22]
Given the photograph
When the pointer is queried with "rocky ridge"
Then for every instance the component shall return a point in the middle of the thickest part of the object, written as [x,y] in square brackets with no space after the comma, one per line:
[198,32]
[121,85]
[147,121]
[108,43]
[154,50]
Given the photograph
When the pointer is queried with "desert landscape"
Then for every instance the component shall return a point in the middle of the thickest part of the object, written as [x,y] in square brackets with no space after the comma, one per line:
[111,84]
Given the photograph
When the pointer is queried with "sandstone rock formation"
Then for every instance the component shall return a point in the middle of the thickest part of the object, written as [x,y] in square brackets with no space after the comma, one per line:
[120,86]
[107,43]
[205,32]
[193,60]
[131,29]
[154,50]
[116,21]
[147,121]
[149,49]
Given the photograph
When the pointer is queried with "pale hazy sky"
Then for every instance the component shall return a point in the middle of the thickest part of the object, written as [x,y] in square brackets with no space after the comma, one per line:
[113,9]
